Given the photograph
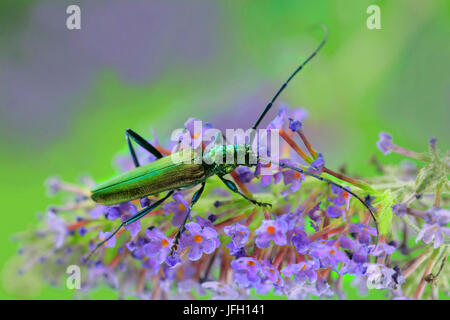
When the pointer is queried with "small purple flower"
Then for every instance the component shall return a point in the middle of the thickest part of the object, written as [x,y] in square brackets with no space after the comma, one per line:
[199,240]
[292,218]
[173,260]
[197,129]
[113,213]
[298,114]
[303,271]
[347,243]
[245,174]
[278,121]
[179,207]
[437,215]
[399,209]
[53,185]
[432,141]
[334,212]
[270,278]
[152,265]
[204,223]
[294,179]
[82,231]
[246,272]
[315,213]
[359,255]
[364,232]
[380,277]
[239,235]
[145,202]
[58,227]
[111,243]
[328,255]
[158,246]
[317,165]
[266,179]
[98,211]
[301,241]
[341,198]
[433,233]
[384,143]
[294,124]
[274,230]
[381,250]
[323,289]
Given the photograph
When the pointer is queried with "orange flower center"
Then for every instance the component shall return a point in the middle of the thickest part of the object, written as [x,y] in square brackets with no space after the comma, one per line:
[270,229]
[297,175]
[332,252]
[304,267]
[196,135]
[164,242]
[198,238]
[251,263]
[182,207]
[345,194]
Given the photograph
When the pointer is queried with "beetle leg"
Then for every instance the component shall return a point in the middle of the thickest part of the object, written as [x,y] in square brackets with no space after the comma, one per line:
[181,228]
[143,143]
[146,210]
[132,219]
[230,185]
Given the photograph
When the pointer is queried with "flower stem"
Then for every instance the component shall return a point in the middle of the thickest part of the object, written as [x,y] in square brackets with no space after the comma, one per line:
[241,185]
[414,264]
[421,287]
[307,144]
[437,195]
[294,146]
[358,183]
[409,153]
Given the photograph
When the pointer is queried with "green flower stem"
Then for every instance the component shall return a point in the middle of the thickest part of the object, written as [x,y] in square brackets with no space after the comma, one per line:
[437,195]
[357,183]
[423,281]
[411,267]
[411,154]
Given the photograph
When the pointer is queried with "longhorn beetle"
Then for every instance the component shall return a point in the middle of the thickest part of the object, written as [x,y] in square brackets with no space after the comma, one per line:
[164,174]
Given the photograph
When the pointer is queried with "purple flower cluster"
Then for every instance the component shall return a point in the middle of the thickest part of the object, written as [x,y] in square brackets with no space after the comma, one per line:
[312,235]
[250,273]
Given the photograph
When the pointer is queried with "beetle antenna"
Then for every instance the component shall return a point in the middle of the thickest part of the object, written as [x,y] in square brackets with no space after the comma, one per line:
[269,105]
[103,242]
[299,170]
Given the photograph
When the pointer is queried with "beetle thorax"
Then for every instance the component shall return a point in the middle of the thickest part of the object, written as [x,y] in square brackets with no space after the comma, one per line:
[227,157]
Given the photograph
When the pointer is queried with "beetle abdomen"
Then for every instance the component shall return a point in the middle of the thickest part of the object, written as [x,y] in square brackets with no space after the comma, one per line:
[158,176]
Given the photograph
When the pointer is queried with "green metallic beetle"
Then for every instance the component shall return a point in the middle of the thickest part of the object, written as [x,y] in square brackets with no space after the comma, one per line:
[164,174]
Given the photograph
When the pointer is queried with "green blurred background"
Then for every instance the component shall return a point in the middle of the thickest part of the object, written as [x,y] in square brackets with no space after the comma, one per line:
[66,97]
